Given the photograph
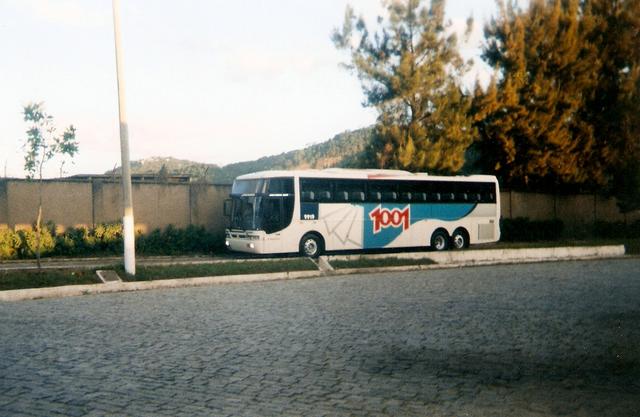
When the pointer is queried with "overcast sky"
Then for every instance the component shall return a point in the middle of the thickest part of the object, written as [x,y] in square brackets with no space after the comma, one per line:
[213,81]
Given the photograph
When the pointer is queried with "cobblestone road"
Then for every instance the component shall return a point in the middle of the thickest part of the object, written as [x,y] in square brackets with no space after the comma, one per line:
[532,340]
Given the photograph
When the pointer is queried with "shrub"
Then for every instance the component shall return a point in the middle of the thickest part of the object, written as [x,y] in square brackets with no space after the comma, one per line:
[9,244]
[109,237]
[29,242]
[173,241]
[616,230]
[521,229]
[149,244]
[106,239]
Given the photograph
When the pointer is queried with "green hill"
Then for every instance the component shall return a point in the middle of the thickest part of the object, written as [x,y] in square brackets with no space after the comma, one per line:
[343,150]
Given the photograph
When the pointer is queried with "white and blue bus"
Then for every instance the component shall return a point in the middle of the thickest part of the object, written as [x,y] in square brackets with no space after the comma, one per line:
[313,211]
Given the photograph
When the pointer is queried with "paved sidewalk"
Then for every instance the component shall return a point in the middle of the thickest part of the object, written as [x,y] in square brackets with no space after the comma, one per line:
[547,339]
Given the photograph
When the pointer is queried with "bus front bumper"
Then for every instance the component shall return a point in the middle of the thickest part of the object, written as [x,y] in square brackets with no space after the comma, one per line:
[242,245]
[243,242]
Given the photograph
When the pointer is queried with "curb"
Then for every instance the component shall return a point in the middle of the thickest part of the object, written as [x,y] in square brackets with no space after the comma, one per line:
[76,290]
[442,260]
[493,256]
[489,257]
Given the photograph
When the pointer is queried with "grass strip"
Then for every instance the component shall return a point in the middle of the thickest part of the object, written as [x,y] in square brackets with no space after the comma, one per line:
[379,262]
[18,280]
[147,273]
[21,279]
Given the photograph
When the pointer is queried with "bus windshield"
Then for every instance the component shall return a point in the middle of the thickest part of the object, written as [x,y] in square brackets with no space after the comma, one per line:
[267,213]
[262,204]
[248,187]
[245,213]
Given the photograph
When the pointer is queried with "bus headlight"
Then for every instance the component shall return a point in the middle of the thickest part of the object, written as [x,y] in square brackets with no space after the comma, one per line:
[251,246]
[226,243]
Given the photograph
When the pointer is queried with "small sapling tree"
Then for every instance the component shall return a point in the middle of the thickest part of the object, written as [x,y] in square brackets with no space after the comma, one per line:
[41,146]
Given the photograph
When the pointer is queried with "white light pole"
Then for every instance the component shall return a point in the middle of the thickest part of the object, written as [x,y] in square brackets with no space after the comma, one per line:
[127,199]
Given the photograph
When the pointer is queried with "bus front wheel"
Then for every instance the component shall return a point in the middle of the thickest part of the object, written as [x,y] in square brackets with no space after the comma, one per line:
[440,240]
[311,245]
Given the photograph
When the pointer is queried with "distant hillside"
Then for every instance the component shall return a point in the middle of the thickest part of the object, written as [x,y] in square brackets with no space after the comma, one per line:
[343,150]
[170,165]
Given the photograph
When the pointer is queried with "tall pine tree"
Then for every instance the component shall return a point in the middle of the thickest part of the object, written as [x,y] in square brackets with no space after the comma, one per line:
[530,116]
[614,108]
[410,69]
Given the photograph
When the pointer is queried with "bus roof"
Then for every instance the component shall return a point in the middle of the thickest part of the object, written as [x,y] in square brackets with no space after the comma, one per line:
[344,173]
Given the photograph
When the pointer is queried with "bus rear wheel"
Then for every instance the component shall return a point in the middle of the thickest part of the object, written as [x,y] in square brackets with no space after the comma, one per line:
[311,245]
[460,239]
[440,240]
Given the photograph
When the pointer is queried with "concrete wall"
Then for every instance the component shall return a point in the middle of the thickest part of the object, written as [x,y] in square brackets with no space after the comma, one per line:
[69,201]
[87,203]
[535,206]
[575,211]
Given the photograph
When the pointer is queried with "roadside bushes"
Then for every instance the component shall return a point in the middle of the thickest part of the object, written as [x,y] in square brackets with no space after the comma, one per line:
[106,239]
[616,230]
[174,241]
[521,229]
[29,243]
[22,244]
[9,244]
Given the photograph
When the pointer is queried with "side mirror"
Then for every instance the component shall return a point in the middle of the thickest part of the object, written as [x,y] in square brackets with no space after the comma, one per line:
[227,207]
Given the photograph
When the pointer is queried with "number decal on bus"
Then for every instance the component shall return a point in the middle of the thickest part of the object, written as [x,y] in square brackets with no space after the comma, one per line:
[383,218]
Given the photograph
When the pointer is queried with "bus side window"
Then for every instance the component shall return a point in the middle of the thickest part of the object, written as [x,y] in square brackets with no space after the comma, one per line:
[287,208]
[438,191]
[382,190]
[324,196]
[389,196]
[349,190]
[308,196]
[357,196]
[314,189]
[420,197]
[487,192]
[408,191]
[272,219]
[281,186]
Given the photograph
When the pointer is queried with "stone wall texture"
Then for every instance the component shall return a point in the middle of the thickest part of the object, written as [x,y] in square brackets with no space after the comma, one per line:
[88,203]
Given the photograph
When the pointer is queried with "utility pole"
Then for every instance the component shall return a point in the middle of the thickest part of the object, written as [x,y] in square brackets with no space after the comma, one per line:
[127,198]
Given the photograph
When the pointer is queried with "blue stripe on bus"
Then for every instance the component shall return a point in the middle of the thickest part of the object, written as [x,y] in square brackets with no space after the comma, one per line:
[418,212]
